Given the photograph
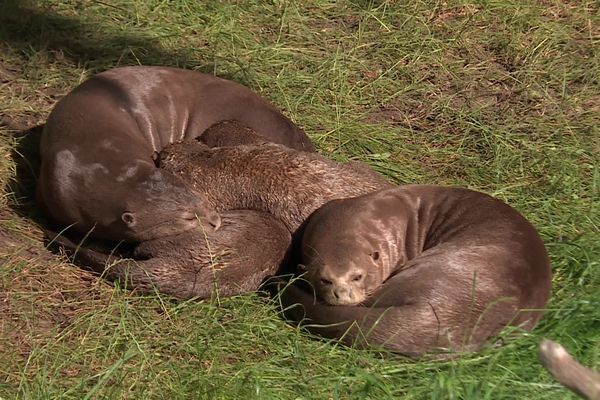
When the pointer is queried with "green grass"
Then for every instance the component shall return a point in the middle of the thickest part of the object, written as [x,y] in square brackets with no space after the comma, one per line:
[499,96]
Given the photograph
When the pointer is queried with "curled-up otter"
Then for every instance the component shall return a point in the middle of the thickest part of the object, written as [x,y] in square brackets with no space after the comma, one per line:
[415,269]
[248,247]
[97,174]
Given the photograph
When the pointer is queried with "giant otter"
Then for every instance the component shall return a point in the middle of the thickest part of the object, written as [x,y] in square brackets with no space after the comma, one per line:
[285,183]
[97,172]
[235,259]
[419,268]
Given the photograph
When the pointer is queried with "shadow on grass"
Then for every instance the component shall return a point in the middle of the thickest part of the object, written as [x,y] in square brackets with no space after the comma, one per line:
[26,157]
[28,28]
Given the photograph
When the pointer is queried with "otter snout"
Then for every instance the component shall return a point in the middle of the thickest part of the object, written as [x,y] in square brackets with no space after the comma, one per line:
[203,216]
[213,218]
[344,296]
[198,208]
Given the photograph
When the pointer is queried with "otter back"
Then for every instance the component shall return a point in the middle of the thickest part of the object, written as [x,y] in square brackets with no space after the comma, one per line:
[97,171]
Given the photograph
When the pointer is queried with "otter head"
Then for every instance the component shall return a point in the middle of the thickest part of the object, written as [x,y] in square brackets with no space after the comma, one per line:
[341,259]
[161,205]
[132,200]
[343,275]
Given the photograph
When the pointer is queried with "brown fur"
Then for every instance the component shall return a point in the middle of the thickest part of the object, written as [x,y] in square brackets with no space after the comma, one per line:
[286,183]
[269,178]
[96,150]
[235,259]
[456,266]
[230,133]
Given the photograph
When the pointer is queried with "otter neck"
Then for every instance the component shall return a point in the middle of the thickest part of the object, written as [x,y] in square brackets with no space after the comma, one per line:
[286,183]
[392,249]
[416,225]
[244,185]
[406,240]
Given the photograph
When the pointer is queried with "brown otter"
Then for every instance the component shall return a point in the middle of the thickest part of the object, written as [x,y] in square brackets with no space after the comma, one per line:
[235,259]
[286,183]
[432,267]
[230,133]
[96,149]
[559,363]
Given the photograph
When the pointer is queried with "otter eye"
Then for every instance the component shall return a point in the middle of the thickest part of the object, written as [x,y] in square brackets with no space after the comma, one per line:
[128,218]
[375,255]
[326,281]
[357,278]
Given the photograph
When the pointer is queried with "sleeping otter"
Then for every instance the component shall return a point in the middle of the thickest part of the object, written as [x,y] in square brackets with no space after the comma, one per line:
[97,173]
[286,184]
[235,259]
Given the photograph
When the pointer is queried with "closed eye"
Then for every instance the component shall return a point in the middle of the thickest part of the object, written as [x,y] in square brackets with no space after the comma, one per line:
[326,281]
[357,278]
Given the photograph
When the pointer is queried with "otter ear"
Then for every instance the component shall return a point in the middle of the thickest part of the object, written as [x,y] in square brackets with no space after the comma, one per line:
[375,255]
[302,268]
[128,218]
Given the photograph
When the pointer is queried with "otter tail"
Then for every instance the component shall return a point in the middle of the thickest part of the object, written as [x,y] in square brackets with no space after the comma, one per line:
[569,372]
[410,329]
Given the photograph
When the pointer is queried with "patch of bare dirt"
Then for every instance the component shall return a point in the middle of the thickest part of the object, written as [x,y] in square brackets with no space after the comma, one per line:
[476,81]
[408,114]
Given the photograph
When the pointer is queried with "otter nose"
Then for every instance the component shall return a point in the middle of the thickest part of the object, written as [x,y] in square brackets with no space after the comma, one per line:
[208,218]
[214,219]
[342,293]
[206,213]
[204,217]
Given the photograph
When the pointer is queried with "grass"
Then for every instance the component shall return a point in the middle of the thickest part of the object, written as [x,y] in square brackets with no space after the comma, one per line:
[500,96]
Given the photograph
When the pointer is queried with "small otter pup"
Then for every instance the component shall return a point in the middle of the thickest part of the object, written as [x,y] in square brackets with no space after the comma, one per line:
[420,268]
[230,133]
[286,183]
